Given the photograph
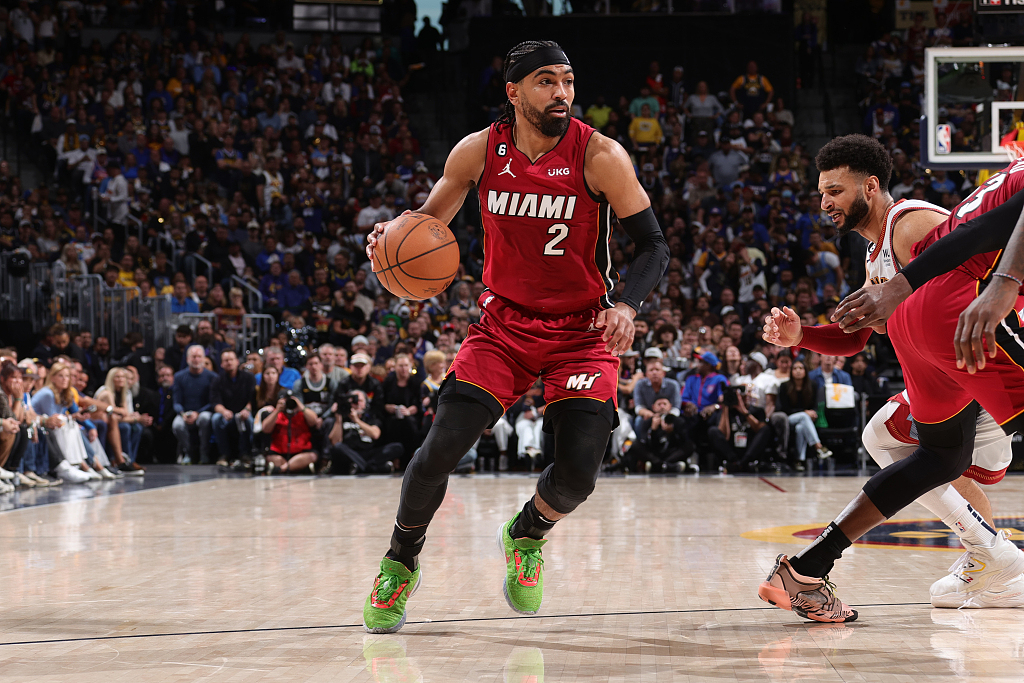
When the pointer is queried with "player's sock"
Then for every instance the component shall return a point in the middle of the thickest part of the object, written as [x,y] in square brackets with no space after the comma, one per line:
[406,544]
[971,527]
[816,560]
[531,524]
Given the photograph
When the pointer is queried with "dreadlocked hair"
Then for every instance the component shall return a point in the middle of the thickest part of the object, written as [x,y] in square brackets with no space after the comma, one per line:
[508,114]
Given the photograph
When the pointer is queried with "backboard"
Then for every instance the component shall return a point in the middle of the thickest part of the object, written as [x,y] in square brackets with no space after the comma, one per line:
[973,101]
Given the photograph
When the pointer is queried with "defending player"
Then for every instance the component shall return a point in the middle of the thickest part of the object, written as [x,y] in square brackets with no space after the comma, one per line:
[990,572]
[547,184]
[944,398]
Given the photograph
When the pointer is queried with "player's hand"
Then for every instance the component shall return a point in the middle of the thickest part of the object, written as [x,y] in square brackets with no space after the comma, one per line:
[871,306]
[371,238]
[978,322]
[618,328]
[783,328]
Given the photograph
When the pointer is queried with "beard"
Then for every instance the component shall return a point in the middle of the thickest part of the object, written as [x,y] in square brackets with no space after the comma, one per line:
[204,339]
[858,212]
[549,126]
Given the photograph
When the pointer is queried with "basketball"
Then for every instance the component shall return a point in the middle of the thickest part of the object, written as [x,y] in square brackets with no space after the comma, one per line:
[416,257]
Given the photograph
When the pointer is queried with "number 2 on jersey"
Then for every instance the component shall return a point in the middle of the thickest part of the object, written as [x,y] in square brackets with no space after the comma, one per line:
[560,232]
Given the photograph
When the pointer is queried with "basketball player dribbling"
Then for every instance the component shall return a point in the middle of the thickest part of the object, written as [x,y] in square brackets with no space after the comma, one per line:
[956,274]
[547,185]
[991,572]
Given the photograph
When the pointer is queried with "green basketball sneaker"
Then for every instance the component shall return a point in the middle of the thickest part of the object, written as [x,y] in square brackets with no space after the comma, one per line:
[384,610]
[524,576]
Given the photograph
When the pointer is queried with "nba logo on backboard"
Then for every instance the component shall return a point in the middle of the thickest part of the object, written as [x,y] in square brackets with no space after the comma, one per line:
[943,139]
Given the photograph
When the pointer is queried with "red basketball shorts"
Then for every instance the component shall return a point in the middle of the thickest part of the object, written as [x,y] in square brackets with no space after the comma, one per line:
[922,331]
[505,353]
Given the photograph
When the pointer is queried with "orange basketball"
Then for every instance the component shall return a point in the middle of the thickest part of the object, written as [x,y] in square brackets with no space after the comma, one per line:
[416,257]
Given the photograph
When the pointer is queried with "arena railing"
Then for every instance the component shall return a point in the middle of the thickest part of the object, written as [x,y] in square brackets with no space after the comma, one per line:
[257,329]
[254,297]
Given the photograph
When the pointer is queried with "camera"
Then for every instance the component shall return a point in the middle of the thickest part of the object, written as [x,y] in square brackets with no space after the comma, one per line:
[344,402]
[291,406]
[676,363]
[730,396]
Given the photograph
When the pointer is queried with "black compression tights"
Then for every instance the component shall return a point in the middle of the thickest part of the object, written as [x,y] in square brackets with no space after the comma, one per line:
[944,454]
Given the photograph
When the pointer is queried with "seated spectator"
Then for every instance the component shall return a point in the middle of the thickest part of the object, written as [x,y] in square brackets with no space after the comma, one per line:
[56,405]
[401,397]
[173,356]
[192,407]
[15,418]
[290,426]
[231,394]
[827,373]
[743,436]
[355,440]
[799,399]
[652,386]
[181,302]
[360,378]
[701,400]
[286,376]
[115,392]
[668,445]
[334,367]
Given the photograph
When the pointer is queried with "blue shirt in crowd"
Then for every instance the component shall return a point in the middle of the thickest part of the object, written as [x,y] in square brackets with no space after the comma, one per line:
[288,378]
[704,391]
[192,392]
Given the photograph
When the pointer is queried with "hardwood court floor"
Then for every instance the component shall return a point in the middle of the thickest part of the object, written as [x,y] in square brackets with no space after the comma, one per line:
[651,580]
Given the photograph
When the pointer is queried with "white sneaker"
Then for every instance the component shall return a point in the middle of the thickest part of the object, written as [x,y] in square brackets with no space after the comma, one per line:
[983,577]
[6,475]
[39,481]
[71,474]
[105,473]
[93,475]
[6,487]
[22,480]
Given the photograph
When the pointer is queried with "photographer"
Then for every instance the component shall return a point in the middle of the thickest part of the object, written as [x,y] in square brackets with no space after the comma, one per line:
[291,426]
[667,446]
[648,389]
[354,439]
[742,436]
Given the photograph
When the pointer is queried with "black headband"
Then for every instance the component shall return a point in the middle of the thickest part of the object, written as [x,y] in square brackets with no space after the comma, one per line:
[527,64]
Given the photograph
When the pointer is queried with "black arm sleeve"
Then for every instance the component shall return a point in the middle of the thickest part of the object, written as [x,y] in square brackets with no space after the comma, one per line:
[988,232]
[649,259]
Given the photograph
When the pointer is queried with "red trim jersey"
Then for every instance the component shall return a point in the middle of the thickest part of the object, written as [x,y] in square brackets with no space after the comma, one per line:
[546,237]
[987,196]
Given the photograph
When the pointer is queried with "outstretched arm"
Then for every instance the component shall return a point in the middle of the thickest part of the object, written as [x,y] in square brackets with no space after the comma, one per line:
[783,328]
[991,231]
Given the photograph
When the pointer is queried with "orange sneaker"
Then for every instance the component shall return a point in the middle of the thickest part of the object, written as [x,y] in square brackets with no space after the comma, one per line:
[813,599]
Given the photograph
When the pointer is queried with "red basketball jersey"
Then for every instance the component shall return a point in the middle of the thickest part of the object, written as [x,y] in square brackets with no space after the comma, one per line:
[987,196]
[545,235]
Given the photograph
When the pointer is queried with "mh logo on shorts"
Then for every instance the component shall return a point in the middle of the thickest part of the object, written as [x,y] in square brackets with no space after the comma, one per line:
[581,382]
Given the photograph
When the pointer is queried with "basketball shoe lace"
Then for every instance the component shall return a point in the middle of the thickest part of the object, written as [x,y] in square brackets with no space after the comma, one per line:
[963,564]
[531,562]
[388,584]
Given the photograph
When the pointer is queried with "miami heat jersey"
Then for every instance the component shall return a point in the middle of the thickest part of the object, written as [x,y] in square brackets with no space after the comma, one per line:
[987,196]
[882,264]
[545,235]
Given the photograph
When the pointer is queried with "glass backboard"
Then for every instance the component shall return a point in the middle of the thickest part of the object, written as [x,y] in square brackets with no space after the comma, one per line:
[974,102]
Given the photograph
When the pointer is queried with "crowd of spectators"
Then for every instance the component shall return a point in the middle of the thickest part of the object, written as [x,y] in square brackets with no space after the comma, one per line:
[272,161]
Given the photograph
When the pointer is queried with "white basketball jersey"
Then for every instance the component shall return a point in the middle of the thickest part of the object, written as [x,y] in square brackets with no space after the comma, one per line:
[881,261]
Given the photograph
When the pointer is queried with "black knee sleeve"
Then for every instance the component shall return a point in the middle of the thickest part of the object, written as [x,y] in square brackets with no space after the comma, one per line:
[458,424]
[945,452]
[580,441]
